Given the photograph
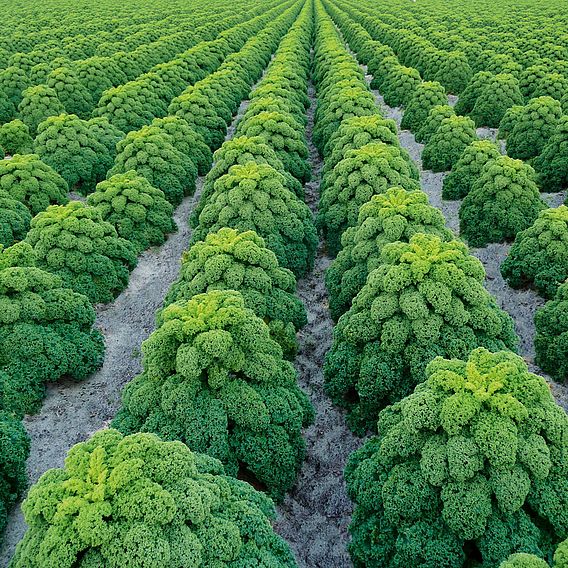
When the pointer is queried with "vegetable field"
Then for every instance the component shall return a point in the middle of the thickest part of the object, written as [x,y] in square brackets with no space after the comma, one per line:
[284,284]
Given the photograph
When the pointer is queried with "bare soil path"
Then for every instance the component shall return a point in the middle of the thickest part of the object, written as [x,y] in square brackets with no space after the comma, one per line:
[316,513]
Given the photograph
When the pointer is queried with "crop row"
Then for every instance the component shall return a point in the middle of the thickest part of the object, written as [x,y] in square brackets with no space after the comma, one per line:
[107,28]
[421,353]
[249,232]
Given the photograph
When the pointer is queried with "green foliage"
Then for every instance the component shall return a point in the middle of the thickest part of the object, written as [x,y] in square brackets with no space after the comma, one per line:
[427,95]
[395,215]
[38,73]
[336,103]
[561,555]
[25,60]
[552,164]
[131,66]
[125,501]
[139,212]
[75,243]
[13,81]
[529,79]
[254,197]
[381,68]
[553,85]
[399,85]
[271,98]
[14,219]
[37,104]
[153,84]
[172,72]
[503,201]
[503,63]
[106,133]
[70,91]
[539,255]
[533,128]
[46,331]
[564,101]
[458,183]
[7,108]
[472,463]
[214,379]
[523,560]
[453,72]
[424,299]
[151,154]
[232,260]
[216,99]
[97,74]
[474,88]
[379,52]
[282,88]
[378,55]
[31,181]
[447,144]
[356,132]
[130,106]
[285,135]
[436,115]
[510,118]
[187,141]
[364,172]
[501,92]
[15,138]
[240,150]
[196,109]
[551,340]
[14,450]
[67,144]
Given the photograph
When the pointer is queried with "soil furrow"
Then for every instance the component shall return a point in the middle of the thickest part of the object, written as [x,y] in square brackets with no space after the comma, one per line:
[316,513]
